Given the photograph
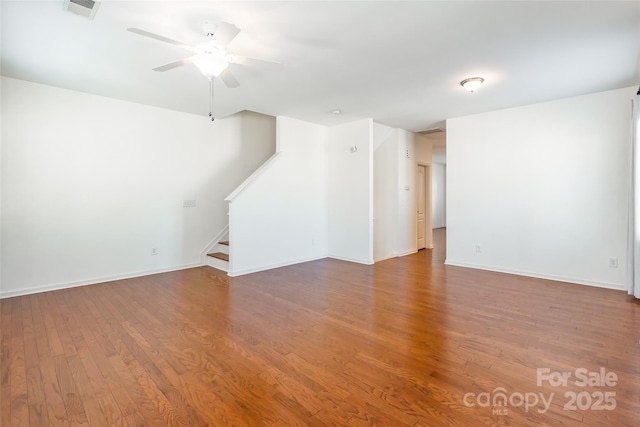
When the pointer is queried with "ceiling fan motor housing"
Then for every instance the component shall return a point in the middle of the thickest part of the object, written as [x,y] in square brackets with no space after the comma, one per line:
[209,29]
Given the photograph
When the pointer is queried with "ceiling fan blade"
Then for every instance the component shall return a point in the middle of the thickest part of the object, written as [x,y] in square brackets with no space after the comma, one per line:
[224,34]
[256,63]
[173,65]
[160,38]
[229,79]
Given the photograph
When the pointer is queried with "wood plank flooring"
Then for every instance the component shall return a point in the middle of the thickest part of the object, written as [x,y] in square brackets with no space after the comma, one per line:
[407,342]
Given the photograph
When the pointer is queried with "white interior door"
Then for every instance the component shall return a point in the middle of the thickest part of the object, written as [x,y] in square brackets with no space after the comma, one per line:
[421,187]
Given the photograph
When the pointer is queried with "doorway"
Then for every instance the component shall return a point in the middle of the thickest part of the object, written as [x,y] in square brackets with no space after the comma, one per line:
[423,195]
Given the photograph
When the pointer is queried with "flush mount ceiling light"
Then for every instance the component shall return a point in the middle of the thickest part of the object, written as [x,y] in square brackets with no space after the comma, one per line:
[336,112]
[472,83]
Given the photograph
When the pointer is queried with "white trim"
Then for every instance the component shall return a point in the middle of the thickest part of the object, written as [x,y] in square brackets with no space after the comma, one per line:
[217,268]
[271,266]
[357,261]
[218,264]
[95,281]
[409,252]
[615,286]
[239,189]
[396,255]
[212,243]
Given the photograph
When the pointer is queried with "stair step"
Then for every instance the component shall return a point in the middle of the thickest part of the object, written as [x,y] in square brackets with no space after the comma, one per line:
[219,255]
[224,243]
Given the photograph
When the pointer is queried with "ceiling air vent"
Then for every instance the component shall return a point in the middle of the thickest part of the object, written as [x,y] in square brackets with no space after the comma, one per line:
[430,131]
[86,8]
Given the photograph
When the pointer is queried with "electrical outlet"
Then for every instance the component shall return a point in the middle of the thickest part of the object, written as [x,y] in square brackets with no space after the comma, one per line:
[613,262]
[188,203]
[154,251]
[478,249]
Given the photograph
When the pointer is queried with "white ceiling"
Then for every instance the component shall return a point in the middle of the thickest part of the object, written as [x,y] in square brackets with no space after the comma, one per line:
[399,63]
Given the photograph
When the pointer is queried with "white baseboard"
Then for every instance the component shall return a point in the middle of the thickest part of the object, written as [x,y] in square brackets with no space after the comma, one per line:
[409,252]
[604,285]
[218,268]
[94,281]
[244,271]
[358,261]
[401,254]
[392,256]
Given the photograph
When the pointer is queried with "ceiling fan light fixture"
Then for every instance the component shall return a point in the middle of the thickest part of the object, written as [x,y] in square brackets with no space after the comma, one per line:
[211,64]
[472,83]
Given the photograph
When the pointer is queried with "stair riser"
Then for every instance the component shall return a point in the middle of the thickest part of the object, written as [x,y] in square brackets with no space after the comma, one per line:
[222,248]
[218,263]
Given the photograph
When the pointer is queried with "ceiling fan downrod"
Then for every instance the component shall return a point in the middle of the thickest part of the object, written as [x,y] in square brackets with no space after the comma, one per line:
[211,99]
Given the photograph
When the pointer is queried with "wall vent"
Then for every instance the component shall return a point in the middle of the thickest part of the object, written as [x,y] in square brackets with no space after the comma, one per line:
[86,8]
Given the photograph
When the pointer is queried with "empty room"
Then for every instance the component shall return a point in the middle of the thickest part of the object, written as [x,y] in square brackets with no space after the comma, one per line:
[319,213]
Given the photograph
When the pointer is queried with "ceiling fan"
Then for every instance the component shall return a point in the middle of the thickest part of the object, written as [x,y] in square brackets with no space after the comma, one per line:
[211,56]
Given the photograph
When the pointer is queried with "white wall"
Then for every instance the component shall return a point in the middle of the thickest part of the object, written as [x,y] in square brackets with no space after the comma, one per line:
[407,197]
[91,184]
[395,197]
[385,192]
[281,217]
[439,195]
[351,191]
[542,189]
[424,148]
[439,143]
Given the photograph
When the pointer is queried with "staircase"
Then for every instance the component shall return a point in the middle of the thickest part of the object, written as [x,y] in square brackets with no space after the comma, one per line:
[219,257]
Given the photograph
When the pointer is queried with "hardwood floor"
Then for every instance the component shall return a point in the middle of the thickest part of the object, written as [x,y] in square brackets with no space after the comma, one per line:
[407,342]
